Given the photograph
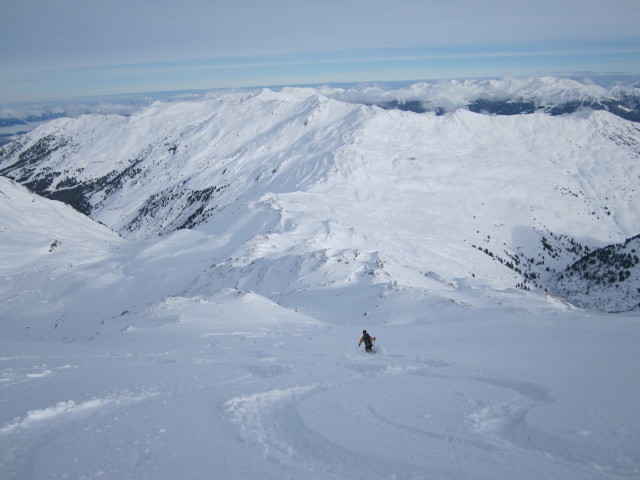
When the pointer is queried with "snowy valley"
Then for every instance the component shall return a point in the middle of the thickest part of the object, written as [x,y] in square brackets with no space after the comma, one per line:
[194,309]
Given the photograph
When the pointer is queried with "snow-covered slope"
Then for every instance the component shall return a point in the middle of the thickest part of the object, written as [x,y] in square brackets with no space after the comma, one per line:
[134,381]
[216,333]
[49,253]
[33,227]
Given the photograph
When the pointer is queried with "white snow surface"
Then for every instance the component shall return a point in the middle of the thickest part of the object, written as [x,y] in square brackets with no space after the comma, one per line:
[231,350]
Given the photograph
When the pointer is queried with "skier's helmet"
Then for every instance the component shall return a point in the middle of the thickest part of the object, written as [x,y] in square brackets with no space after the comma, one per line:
[364,331]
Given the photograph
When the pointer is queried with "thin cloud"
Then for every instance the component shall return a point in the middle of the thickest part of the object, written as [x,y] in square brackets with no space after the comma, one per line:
[239,42]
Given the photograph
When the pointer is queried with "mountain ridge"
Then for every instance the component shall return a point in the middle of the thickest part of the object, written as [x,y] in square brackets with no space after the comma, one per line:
[310,192]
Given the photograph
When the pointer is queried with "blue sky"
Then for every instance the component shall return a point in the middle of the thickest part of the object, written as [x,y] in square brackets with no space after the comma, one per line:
[59,49]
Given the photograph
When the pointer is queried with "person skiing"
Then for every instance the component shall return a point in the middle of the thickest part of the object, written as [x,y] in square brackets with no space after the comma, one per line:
[368,341]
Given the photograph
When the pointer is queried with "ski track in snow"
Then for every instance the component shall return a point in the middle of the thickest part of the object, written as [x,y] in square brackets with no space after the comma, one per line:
[252,415]
[298,412]
[23,434]
[272,421]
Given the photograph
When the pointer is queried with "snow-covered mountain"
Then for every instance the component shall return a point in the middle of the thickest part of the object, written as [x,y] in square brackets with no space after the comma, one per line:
[506,96]
[617,94]
[197,312]
[316,192]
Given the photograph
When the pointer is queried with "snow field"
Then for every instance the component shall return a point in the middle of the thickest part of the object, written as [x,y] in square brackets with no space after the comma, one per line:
[238,387]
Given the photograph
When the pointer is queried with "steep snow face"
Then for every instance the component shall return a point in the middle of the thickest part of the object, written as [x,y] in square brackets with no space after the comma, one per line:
[302,191]
[50,254]
[23,217]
